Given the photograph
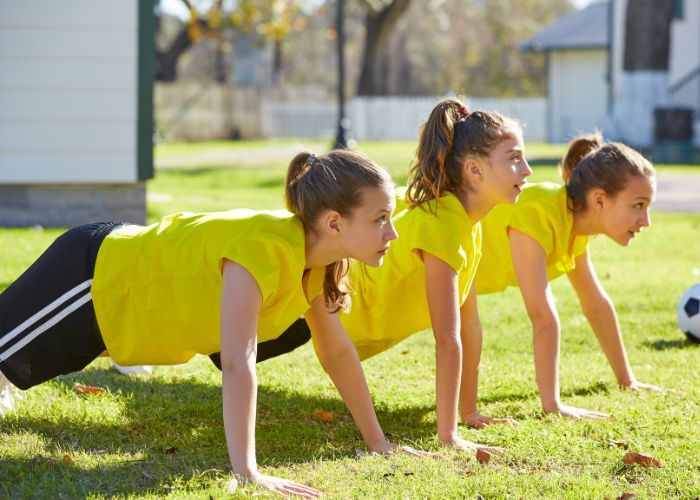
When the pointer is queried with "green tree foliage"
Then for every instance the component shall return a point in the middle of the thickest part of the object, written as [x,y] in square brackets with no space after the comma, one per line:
[272,20]
[470,47]
[435,46]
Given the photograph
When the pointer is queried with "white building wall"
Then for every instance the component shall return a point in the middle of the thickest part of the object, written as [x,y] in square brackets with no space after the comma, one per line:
[685,42]
[685,57]
[632,117]
[577,92]
[68,91]
[619,9]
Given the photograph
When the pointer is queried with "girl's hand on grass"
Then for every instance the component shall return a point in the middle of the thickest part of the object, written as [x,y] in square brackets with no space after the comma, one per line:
[573,412]
[478,420]
[276,484]
[637,386]
[387,448]
[464,445]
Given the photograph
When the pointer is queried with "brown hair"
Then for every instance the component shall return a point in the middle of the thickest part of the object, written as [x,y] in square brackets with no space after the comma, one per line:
[446,140]
[591,163]
[334,181]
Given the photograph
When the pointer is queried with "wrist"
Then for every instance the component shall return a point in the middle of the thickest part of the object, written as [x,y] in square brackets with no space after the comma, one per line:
[379,445]
[552,406]
[465,414]
[448,438]
[626,380]
[247,474]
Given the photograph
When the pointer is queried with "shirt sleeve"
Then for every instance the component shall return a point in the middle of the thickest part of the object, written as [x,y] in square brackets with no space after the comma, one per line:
[262,259]
[439,237]
[580,245]
[535,220]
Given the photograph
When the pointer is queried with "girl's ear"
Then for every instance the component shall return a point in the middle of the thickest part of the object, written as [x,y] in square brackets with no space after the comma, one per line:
[330,223]
[596,198]
[473,171]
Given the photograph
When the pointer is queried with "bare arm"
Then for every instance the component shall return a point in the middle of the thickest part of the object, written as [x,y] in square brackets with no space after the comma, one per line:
[339,359]
[530,264]
[600,313]
[442,289]
[471,356]
[241,302]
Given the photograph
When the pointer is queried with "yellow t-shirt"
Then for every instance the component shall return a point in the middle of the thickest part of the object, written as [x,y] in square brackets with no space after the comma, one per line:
[157,289]
[389,303]
[542,213]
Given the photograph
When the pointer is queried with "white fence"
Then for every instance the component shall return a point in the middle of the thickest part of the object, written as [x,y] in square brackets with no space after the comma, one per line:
[192,111]
[387,118]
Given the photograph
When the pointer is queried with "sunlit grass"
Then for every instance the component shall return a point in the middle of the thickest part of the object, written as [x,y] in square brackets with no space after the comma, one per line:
[163,436]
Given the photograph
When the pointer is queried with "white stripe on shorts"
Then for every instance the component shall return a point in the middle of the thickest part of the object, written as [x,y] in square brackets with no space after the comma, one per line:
[46,310]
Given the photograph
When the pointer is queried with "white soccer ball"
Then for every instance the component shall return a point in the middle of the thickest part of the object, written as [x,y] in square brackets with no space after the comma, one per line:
[689,313]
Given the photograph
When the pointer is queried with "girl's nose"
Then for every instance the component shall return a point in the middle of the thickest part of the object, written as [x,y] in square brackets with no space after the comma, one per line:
[391,233]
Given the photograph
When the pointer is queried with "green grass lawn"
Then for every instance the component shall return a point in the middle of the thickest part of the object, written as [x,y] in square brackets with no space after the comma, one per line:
[163,436]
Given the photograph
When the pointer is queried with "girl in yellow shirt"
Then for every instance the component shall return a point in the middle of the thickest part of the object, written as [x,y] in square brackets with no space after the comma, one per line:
[466,163]
[201,283]
[608,189]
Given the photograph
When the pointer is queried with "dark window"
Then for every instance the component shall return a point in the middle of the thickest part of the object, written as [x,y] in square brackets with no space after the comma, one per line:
[678,12]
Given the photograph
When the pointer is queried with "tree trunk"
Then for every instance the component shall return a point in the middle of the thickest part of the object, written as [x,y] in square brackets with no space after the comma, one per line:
[379,25]
[166,61]
[277,63]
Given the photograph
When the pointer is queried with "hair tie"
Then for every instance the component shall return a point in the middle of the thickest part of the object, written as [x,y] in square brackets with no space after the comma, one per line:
[463,112]
[304,169]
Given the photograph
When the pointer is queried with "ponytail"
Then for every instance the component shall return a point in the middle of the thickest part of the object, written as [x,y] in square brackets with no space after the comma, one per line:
[449,136]
[578,148]
[590,163]
[331,182]
[428,175]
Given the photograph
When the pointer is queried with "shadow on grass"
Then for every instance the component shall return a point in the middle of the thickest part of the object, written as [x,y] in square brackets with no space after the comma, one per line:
[596,387]
[170,431]
[194,171]
[662,345]
[271,183]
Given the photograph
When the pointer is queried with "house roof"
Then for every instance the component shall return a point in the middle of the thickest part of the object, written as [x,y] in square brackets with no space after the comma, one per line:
[582,29]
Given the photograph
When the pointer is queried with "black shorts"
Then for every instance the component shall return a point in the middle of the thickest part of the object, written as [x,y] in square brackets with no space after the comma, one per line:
[295,336]
[47,320]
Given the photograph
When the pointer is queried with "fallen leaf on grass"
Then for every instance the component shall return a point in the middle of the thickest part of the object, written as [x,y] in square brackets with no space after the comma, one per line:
[324,416]
[67,459]
[136,430]
[619,444]
[483,456]
[634,458]
[627,496]
[87,389]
